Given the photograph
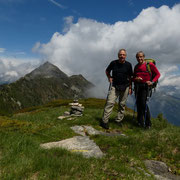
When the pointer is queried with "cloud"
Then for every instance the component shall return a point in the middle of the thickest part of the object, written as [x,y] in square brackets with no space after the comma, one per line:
[88,46]
[131,3]
[170,76]
[58,4]
[2,50]
[68,22]
[12,69]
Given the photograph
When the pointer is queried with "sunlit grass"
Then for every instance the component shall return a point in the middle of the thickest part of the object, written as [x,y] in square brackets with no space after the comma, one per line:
[22,158]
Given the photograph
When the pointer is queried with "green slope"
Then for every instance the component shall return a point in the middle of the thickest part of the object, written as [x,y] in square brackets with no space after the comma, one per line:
[22,158]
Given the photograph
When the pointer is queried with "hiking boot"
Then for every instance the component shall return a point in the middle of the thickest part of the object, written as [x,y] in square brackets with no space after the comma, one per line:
[148,127]
[104,125]
[140,124]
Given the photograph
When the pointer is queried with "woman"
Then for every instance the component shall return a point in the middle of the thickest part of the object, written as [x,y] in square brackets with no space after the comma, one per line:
[143,83]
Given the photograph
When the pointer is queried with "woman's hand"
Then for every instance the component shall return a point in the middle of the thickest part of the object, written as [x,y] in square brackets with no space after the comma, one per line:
[149,83]
[138,79]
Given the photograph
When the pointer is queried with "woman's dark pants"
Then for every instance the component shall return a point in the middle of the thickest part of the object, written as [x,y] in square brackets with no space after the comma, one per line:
[143,113]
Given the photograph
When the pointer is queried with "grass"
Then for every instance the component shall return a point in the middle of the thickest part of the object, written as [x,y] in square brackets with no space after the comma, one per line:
[22,158]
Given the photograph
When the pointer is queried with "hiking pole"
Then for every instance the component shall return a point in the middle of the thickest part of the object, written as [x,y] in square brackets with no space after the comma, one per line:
[145,114]
[134,110]
[109,89]
[136,91]
[147,100]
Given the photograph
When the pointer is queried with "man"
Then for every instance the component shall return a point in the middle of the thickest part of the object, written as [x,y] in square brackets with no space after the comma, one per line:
[119,74]
[143,83]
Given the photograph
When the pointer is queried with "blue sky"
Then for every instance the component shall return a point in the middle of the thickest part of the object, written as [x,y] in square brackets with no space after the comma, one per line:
[25,22]
[83,36]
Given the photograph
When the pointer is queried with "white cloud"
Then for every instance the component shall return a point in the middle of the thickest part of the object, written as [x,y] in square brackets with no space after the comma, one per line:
[11,73]
[172,80]
[170,76]
[58,4]
[68,22]
[88,46]
[12,69]
[2,50]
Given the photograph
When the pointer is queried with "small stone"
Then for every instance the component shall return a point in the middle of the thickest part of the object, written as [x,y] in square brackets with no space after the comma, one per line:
[73,104]
[66,113]
[84,130]
[77,108]
[69,119]
[62,117]
[76,113]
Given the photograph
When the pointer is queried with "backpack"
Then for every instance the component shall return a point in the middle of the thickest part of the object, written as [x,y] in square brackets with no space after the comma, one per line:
[149,70]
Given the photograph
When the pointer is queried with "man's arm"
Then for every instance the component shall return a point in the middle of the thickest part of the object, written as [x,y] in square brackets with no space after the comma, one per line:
[110,79]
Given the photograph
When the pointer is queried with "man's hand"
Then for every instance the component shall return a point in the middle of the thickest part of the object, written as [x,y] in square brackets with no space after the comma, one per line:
[130,91]
[110,80]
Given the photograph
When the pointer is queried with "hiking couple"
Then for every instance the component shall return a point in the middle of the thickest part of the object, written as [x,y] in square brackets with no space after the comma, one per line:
[120,76]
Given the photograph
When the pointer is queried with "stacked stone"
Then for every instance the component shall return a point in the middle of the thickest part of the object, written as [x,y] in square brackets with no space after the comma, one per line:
[76,108]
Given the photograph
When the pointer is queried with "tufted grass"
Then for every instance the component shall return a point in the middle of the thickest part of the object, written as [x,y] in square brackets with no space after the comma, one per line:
[22,158]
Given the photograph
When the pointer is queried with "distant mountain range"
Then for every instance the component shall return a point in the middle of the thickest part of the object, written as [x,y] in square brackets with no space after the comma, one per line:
[166,104]
[48,82]
[42,85]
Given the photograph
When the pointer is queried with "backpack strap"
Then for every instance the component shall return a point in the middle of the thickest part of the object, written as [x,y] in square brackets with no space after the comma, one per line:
[149,69]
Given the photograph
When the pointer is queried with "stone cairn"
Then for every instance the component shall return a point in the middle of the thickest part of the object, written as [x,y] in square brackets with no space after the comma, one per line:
[75,110]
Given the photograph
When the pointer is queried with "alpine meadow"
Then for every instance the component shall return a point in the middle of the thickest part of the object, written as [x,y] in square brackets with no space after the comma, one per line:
[126,150]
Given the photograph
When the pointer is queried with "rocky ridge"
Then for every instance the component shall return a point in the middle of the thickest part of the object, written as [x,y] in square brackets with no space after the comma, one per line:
[44,84]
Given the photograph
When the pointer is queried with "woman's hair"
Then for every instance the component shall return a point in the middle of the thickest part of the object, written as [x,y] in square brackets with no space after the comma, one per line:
[140,52]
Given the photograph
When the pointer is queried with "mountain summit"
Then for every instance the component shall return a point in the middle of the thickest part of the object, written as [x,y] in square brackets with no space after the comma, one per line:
[47,70]
[44,84]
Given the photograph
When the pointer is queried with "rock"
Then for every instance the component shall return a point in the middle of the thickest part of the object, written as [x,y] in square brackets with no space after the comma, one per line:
[74,112]
[85,130]
[77,144]
[75,101]
[64,84]
[62,117]
[77,108]
[139,169]
[89,130]
[160,170]
[70,119]
[66,113]
[74,104]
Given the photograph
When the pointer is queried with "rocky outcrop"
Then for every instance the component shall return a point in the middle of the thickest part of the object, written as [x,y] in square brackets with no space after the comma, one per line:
[160,170]
[77,144]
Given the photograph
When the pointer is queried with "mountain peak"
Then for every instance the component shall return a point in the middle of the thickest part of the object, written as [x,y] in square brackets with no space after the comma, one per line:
[47,70]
